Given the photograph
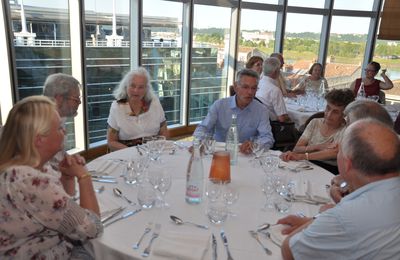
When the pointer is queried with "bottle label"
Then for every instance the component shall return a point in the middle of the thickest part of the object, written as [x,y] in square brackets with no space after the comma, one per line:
[192,191]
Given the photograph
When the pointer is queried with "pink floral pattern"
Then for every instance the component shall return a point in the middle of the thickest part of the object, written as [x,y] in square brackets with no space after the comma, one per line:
[38,219]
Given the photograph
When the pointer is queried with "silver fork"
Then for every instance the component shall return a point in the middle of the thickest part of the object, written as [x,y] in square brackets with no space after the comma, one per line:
[146,230]
[254,234]
[155,234]
[270,238]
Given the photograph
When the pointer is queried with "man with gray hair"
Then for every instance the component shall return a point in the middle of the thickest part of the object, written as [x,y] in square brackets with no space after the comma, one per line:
[65,91]
[365,224]
[269,93]
[360,109]
[356,110]
[251,117]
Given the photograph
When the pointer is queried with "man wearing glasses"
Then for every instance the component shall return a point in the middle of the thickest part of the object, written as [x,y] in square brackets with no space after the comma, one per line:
[65,91]
[252,121]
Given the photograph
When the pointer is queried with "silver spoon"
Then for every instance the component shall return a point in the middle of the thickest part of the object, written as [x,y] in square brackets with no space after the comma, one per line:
[118,193]
[179,221]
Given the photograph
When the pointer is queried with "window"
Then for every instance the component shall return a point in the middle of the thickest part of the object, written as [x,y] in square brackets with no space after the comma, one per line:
[162,53]
[107,59]
[307,3]
[346,50]
[41,42]
[209,59]
[257,35]
[262,1]
[359,5]
[387,53]
[301,45]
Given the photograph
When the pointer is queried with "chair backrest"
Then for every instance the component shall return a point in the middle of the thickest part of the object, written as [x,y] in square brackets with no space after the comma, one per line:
[316,115]
[397,124]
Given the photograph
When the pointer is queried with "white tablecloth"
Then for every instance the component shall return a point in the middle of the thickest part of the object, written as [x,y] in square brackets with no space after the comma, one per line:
[118,238]
[298,114]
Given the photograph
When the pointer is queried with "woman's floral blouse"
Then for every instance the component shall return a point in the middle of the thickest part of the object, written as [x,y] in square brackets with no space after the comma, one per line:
[38,219]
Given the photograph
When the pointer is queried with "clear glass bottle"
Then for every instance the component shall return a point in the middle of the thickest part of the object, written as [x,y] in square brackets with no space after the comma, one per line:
[322,90]
[232,142]
[361,92]
[195,176]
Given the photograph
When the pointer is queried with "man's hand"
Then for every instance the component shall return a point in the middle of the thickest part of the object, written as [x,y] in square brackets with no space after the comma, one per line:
[246,147]
[293,223]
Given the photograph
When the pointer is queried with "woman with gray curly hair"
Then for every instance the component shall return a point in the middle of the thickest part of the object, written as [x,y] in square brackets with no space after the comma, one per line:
[136,112]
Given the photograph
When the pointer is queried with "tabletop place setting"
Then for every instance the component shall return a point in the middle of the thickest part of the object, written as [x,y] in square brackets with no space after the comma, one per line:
[193,204]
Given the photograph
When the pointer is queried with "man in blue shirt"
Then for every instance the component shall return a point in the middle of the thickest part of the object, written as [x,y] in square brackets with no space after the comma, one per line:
[365,224]
[252,117]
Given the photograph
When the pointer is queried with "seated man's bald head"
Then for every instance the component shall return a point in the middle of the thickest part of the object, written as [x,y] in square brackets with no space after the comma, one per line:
[372,146]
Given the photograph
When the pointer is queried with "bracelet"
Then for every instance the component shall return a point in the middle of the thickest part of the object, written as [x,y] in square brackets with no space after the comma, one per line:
[307,157]
[84,176]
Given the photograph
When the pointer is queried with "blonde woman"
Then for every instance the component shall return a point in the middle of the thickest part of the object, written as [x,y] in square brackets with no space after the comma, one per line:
[39,219]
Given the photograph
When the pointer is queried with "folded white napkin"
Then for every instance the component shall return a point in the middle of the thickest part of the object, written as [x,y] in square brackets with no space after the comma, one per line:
[106,167]
[107,206]
[182,246]
[169,145]
[305,190]
[276,233]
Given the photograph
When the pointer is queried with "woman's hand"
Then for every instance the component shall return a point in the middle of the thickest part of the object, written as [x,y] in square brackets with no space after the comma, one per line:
[72,166]
[292,156]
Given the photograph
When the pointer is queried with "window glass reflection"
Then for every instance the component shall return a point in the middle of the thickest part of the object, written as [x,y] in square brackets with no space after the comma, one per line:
[387,53]
[41,42]
[209,59]
[257,35]
[346,50]
[162,53]
[107,59]
[301,44]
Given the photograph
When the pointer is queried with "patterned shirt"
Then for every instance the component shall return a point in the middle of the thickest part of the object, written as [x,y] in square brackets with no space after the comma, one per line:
[38,219]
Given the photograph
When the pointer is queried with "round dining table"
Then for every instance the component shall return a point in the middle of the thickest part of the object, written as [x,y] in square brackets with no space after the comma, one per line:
[118,238]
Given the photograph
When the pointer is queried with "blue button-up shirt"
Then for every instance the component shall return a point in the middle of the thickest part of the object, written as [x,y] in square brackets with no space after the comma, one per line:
[251,121]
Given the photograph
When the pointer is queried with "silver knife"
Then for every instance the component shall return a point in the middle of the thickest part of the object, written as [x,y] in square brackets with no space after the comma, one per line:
[114,213]
[128,214]
[225,240]
[102,176]
[105,180]
[214,247]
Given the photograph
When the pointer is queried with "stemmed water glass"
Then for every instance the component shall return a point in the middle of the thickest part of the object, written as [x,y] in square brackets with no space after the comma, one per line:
[209,144]
[164,184]
[230,194]
[257,148]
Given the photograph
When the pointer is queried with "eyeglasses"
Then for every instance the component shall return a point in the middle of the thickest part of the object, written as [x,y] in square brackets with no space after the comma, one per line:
[369,70]
[249,88]
[76,99]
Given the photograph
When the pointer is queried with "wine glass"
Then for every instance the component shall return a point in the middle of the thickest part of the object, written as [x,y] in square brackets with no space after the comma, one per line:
[209,144]
[270,164]
[164,184]
[257,148]
[213,189]
[230,194]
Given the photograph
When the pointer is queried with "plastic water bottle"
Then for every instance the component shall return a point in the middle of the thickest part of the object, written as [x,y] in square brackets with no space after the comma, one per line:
[194,176]
[361,92]
[231,143]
